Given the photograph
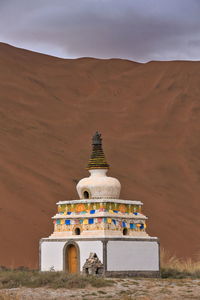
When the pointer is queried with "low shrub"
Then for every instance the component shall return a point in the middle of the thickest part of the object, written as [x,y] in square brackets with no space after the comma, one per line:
[28,278]
[173,267]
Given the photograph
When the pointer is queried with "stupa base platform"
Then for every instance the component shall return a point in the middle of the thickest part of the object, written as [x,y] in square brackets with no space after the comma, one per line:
[120,256]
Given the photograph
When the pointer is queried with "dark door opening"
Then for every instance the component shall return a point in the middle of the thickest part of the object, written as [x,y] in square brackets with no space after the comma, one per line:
[125,231]
[86,194]
[77,231]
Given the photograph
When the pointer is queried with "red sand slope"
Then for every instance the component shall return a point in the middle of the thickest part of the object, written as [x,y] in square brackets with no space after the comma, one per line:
[149,115]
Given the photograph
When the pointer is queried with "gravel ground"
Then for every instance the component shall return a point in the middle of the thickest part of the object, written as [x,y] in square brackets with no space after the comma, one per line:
[123,289]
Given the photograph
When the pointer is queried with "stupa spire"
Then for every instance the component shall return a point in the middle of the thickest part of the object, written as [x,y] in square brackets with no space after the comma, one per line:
[97,159]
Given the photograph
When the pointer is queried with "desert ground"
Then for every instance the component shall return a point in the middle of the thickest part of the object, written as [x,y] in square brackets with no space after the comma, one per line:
[123,289]
[149,117]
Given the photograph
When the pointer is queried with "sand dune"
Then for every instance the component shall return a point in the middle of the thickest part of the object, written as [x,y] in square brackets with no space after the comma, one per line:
[149,115]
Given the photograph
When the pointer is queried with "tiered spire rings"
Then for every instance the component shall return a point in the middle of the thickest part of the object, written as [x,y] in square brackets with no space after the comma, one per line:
[97,159]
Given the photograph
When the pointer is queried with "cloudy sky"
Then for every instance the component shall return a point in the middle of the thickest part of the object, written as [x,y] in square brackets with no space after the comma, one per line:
[139,30]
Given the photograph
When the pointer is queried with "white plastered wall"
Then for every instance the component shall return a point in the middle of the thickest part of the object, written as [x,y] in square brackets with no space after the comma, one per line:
[132,255]
[52,255]
[86,247]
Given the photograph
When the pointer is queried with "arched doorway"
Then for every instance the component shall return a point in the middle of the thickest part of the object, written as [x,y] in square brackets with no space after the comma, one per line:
[77,231]
[86,195]
[125,231]
[71,258]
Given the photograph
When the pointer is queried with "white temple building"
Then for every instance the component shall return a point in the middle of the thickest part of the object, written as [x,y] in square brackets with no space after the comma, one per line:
[100,233]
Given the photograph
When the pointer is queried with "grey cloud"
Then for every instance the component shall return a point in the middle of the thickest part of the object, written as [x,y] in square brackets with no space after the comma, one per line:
[140,30]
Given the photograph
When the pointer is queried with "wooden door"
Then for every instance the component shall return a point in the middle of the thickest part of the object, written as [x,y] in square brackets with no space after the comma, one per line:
[72,259]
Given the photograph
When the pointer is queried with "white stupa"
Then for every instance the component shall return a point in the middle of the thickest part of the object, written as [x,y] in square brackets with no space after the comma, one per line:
[100,233]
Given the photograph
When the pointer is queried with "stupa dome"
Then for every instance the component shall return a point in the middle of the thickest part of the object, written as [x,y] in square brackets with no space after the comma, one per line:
[98,184]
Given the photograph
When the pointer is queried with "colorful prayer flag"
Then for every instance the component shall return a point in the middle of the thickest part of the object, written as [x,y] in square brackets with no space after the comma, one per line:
[101,209]
[123,224]
[132,226]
